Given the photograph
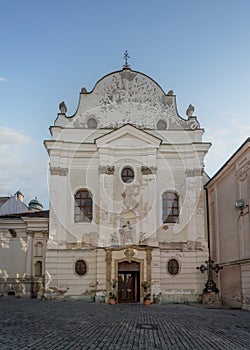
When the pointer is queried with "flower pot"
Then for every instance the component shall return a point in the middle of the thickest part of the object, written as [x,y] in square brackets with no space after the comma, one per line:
[112,301]
[147,302]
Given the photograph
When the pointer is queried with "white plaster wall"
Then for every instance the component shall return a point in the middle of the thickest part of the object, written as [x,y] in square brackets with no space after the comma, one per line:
[61,276]
[13,252]
[143,196]
[189,282]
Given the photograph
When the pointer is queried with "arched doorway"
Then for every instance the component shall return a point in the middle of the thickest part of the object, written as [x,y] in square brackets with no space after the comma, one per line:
[128,282]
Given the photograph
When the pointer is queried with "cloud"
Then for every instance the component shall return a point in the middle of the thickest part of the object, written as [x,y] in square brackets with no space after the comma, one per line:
[219,139]
[10,136]
[225,141]
[241,131]
[2,79]
[22,167]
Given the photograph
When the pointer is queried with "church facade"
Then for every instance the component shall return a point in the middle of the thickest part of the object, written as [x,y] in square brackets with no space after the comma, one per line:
[127,200]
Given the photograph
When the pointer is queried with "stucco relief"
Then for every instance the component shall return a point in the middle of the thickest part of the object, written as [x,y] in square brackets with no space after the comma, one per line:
[59,171]
[148,170]
[107,169]
[194,172]
[106,191]
[131,196]
[126,233]
[241,174]
[129,97]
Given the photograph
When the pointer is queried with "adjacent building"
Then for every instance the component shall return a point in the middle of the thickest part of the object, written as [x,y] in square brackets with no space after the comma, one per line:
[228,203]
[23,238]
[13,204]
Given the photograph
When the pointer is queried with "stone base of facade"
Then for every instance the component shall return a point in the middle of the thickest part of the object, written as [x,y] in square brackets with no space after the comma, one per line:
[22,287]
[180,298]
[84,298]
[141,263]
[210,298]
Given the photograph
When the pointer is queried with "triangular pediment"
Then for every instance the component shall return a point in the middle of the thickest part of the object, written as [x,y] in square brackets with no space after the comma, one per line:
[128,136]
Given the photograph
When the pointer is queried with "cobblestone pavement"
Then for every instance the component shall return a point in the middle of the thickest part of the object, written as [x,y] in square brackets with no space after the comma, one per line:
[45,325]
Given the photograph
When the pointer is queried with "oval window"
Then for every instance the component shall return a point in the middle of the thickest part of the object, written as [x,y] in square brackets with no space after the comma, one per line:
[80,267]
[173,267]
[127,175]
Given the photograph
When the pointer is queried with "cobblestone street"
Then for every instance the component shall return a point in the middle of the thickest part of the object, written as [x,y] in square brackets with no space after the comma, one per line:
[35,324]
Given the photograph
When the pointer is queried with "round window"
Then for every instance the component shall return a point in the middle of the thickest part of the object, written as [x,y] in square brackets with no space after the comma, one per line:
[173,267]
[80,267]
[161,125]
[92,123]
[127,175]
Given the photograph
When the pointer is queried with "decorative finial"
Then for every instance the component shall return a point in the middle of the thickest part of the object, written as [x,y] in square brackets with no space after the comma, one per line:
[190,111]
[126,57]
[63,107]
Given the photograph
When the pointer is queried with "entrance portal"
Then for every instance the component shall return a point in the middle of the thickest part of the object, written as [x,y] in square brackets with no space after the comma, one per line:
[128,282]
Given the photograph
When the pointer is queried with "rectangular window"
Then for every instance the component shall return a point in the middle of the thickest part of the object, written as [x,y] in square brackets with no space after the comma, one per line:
[83,206]
[170,207]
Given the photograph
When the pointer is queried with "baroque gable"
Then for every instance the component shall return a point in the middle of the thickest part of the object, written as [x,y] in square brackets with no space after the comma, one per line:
[123,97]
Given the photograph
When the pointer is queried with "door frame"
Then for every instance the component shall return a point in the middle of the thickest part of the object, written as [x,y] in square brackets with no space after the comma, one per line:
[141,262]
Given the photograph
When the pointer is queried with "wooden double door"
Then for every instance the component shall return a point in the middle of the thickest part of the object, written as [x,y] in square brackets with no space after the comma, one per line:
[128,282]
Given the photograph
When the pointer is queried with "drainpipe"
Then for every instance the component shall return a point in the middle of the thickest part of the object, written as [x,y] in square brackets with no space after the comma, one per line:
[208,226]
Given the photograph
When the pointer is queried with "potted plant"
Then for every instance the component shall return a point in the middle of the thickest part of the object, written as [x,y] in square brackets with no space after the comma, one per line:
[147,296]
[145,285]
[147,299]
[112,296]
[156,298]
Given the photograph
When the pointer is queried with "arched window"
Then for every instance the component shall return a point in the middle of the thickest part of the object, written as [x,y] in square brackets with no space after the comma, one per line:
[38,268]
[173,267]
[39,249]
[127,175]
[80,267]
[170,207]
[83,206]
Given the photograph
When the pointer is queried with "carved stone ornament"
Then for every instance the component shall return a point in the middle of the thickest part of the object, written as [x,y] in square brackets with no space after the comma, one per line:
[107,169]
[148,170]
[59,171]
[129,253]
[190,111]
[62,107]
[194,172]
[241,174]
[193,123]
[148,256]
[108,256]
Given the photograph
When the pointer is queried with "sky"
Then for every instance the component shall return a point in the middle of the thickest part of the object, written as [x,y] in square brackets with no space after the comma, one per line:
[50,49]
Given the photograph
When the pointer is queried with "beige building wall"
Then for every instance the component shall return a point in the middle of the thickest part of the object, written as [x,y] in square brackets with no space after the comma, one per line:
[23,239]
[229,194]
